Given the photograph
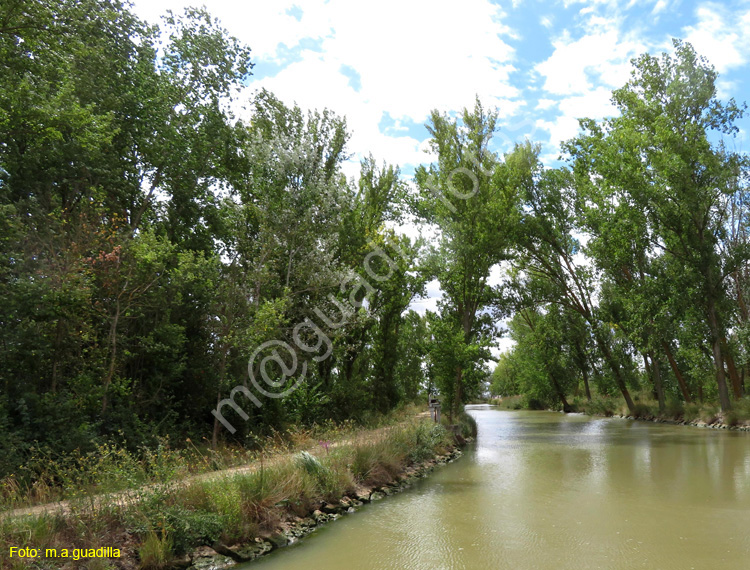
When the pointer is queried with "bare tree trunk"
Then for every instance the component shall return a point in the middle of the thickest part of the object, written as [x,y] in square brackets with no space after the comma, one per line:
[650,374]
[733,375]
[658,382]
[584,370]
[112,354]
[677,373]
[560,393]
[586,382]
[721,381]
[616,371]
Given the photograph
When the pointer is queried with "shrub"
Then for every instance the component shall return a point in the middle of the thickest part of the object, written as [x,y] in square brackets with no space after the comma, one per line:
[155,552]
[641,410]
[531,403]
[363,461]
[310,464]
[468,425]
[674,409]
[428,438]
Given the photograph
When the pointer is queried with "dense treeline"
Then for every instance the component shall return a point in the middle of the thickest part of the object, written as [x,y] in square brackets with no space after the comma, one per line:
[631,271]
[151,240]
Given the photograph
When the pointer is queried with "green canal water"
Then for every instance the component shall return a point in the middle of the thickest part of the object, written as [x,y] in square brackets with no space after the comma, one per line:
[540,490]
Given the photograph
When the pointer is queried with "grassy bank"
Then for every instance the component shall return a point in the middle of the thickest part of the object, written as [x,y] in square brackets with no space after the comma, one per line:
[647,408]
[154,526]
[111,467]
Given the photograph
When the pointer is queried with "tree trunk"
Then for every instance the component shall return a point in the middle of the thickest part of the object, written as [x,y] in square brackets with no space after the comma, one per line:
[586,382]
[616,371]
[650,374]
[215,435]
[742,380]
[677,373]
[112,355]
[721,381]
[222,375]
[658,382]
[733,375]
[584,370]
[560,393]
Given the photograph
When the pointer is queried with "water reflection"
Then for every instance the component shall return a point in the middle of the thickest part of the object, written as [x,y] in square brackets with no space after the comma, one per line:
[548,491]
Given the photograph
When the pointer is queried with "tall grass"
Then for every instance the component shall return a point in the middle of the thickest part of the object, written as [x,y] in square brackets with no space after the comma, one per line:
[168,520]
[46,477]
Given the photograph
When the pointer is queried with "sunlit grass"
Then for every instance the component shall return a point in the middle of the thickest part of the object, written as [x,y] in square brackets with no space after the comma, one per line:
[168,520]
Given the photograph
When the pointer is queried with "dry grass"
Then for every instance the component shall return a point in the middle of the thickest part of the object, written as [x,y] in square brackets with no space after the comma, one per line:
[165,521]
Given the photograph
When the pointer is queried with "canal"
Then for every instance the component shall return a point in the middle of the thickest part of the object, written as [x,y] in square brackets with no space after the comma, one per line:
[542,490]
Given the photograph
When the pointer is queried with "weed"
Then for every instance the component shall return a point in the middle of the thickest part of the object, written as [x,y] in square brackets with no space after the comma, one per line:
[310,464]
[156,551]
[427,439]
[171,518]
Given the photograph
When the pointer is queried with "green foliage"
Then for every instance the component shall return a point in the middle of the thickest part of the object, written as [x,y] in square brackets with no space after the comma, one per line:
[311,465]
[508,402]
[150,241]
[467,194]
[665,245]
[127,317]
[167,520]
[468,425]
[155,552]
[598,405]
[427,438]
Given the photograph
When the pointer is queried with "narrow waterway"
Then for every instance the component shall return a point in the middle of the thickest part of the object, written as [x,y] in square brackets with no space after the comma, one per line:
[541,490]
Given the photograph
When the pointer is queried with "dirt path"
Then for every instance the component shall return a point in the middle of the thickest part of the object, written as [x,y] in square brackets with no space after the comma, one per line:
[129,496]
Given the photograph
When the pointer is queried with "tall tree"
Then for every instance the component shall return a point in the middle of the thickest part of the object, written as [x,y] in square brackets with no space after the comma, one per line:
[466,195]
[659,152]
[548,250]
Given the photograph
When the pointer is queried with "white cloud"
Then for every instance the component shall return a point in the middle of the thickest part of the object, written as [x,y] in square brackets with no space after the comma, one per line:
[429,303]
[505,345]
[561,129]
[408,69]
[594,104]
[411,57]
[263,25]
[545,104]
[601,56]
[723,38]
[414,56]
[659,7]
[581,73]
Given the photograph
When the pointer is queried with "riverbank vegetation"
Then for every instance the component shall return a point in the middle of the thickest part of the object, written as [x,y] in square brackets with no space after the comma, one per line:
[632,271]
[155,525]
[646,407]
[155,239]
[112,468]
[151,240]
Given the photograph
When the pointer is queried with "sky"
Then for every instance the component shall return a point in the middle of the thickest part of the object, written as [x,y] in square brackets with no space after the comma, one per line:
[385,65]
[543,64]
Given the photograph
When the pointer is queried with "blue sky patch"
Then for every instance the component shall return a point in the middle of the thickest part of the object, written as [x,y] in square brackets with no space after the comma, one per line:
[355,81]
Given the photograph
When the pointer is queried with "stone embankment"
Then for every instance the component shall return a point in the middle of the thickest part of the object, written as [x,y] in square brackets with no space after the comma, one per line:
[220,556]
[714,424]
